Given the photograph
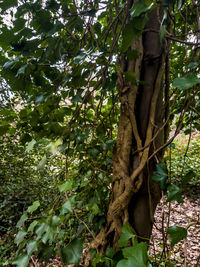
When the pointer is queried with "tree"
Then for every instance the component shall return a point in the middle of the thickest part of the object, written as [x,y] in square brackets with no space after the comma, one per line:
[71,63]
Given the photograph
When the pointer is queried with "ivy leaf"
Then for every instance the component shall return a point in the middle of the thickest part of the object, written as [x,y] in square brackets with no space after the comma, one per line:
[20,237]
[130,77]
[174,193]
[21,221]
[186,82]
[160,175]
[128,36]
[46,252]
[33,207]
[193,65]
[66,207]
[139,8]
[127,233]
[40,230]
[8,64]
[188,176]
[67,186]
[93,152]
[22,260]
[71,254]
[21,70]
[136,256]
[176,234]
[32,226]
[30,146]
[31,247]
[139,252]
[42,163]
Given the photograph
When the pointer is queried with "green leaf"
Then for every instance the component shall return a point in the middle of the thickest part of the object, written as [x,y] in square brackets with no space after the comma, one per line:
[66,207]
[136,255]
[186,82]
[31,247]
[55,220]
[93,152]
[174,193]
[67,186]
[21,221]
[138,251]
[176,234]
[139,8]
[33,207]
[21,70]
[40,230]
[193,65]
[160,175]
[20,237]
[130,77]
[93,208]
[8,64]
[130,262]
[42,163]
[162,32]
[71,254]
[4,5]
[128,36]
[32,226]
[22,260]
[49,234]
[30,146]
[127,233]
[132,54]
[188,176]
[80,57]
[46,252]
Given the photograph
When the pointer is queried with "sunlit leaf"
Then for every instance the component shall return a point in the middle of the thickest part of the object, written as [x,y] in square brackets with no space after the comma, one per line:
[139,8]
[30,145]
[42,163]
[33,207]
[186,82]
[67,186]
[22,220]
[32,226]
[8,64]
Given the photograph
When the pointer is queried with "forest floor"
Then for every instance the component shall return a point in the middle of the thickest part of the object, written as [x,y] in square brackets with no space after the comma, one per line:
[186,252]
[187,215]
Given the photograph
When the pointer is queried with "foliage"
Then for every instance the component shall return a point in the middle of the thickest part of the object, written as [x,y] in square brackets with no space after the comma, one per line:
[185,162]
[21,182]
[59,73]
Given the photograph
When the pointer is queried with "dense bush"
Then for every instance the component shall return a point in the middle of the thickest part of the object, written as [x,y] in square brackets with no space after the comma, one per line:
[184,162]
[22,180]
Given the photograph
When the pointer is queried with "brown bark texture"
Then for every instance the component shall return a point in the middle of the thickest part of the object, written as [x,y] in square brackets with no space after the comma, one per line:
[140,132]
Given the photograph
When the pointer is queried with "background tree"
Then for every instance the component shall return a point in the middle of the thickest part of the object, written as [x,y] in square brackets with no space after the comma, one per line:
[76,67]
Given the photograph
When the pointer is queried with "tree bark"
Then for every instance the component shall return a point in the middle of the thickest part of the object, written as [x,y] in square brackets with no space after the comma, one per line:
[134,194]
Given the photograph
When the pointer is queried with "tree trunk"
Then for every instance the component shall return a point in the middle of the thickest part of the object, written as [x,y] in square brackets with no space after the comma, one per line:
[134,194]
